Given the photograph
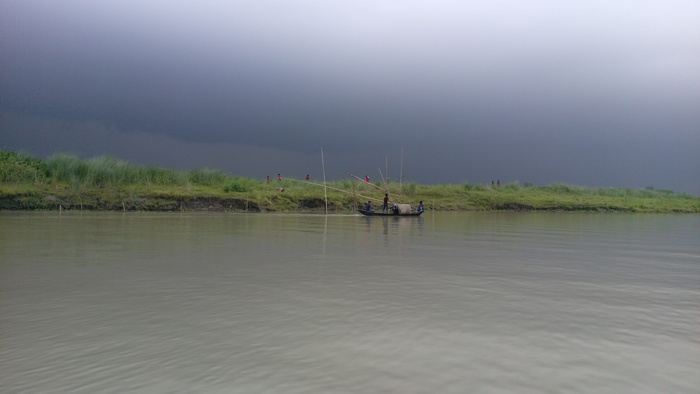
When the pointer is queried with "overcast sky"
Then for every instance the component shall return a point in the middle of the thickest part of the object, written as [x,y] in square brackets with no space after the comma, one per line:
[595,93]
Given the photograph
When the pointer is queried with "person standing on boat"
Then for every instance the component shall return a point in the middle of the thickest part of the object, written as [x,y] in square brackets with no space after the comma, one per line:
[421,207]
[385,207]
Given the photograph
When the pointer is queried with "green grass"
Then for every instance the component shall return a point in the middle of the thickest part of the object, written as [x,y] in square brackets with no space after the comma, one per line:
[106,183]
[18,167]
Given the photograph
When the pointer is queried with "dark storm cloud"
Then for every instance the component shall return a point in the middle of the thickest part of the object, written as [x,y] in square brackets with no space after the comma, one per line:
[548,92]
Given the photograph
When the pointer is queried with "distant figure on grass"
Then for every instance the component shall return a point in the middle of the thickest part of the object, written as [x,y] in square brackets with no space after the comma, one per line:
[307,177]
[421,207]
[279,178]
[366,179]
[385,207]
[368,207]
[268,180]
[498,183]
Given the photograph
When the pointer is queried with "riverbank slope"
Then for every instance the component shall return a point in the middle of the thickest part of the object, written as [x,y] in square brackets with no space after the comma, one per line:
[65,182]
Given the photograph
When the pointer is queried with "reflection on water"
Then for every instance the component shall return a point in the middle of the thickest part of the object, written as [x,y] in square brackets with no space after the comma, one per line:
[448,302]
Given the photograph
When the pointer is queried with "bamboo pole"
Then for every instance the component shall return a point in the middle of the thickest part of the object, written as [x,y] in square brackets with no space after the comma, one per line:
[363,181]
[325,191]
[401,171]
[386,187]
[376,186]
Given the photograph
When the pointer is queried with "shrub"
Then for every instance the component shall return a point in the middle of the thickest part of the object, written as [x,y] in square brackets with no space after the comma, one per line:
[239,185]
[20,167]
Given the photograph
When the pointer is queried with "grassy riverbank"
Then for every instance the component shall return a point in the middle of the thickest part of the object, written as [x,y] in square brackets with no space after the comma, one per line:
[105,183]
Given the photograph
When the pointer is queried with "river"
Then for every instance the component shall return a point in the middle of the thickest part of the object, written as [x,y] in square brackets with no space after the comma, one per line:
[272,303]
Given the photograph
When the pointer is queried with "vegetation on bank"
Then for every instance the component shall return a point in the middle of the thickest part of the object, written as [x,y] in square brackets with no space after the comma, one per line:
[105,183]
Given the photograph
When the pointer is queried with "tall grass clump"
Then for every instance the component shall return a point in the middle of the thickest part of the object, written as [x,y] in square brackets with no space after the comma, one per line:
[639,193]
[206,176]
[21,168]
[561,188]
[515,186]
[109,171]
[106,171]
[344,184]
[67,168]
[161,176]
[474,187]
[409,189]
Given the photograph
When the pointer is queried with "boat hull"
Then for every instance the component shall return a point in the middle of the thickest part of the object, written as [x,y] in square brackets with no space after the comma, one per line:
[368,213]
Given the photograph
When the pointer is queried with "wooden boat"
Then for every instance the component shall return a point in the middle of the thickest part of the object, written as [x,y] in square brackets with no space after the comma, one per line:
[373,213]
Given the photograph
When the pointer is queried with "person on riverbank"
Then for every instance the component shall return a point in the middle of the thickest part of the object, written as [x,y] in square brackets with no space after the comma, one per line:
[385,207]
[366,178]
[268,180]
[279,177]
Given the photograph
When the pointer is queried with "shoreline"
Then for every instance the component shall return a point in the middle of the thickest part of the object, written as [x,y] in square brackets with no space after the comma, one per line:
[52,202]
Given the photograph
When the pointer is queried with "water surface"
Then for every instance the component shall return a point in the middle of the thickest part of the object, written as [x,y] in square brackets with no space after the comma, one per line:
[267,303]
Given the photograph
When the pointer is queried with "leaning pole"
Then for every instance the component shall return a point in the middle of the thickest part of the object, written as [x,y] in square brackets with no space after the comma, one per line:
[325,191]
